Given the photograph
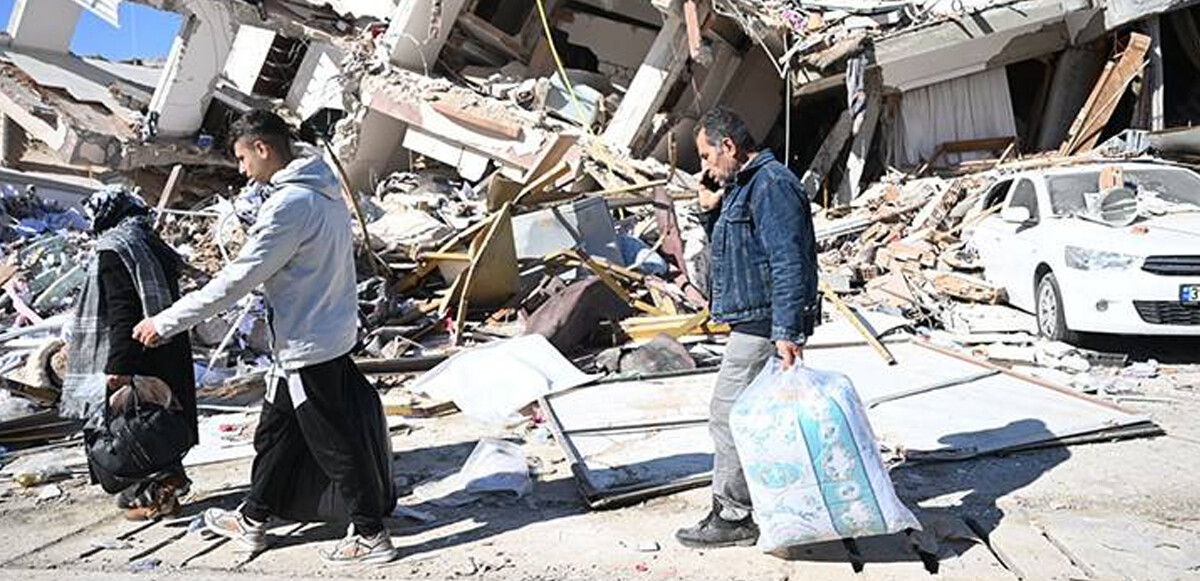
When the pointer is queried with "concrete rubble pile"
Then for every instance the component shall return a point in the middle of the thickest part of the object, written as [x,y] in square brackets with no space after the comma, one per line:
[525,207]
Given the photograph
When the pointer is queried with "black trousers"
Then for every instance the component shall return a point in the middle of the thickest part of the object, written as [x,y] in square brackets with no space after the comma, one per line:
[328,458]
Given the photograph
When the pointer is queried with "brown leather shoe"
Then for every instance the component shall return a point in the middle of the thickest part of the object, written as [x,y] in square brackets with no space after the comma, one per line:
[166,504]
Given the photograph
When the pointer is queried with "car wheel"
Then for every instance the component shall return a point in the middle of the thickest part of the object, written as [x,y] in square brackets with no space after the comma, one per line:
[1051,321]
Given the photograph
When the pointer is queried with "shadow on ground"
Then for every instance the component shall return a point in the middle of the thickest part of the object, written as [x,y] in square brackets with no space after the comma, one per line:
[1167,350]
[956,503]
[492,515]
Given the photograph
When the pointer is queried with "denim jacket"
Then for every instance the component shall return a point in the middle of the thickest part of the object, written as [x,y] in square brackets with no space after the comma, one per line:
[764,261]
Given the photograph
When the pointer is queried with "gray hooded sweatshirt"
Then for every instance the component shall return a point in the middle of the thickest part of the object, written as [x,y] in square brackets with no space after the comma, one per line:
[301,250]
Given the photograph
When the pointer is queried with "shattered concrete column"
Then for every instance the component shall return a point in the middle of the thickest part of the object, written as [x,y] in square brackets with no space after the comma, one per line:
[318,83]
[1149,113]
[864,133]
[251,46]
[419,30]
[12,142]
[193,67]
[44,24]
[650,85]
[1075,74]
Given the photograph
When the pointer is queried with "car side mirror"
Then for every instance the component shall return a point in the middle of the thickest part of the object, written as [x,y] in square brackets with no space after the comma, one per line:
[1016,215]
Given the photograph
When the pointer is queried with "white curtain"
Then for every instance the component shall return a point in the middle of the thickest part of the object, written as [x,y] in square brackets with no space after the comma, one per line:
[976,106]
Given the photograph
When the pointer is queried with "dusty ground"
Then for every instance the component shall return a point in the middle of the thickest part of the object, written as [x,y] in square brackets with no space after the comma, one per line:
[1117,510]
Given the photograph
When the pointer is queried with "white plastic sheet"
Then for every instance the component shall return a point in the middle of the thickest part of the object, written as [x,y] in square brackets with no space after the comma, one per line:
[491,383]
[811,461]
[493,466]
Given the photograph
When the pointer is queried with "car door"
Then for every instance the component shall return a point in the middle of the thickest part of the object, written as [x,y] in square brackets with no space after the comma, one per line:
[987,236]
[1011,256]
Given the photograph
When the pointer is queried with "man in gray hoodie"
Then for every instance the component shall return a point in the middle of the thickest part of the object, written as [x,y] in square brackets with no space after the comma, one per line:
[320,409]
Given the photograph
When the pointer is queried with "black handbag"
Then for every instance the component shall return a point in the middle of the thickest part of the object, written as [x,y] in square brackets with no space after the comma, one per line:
[140,441]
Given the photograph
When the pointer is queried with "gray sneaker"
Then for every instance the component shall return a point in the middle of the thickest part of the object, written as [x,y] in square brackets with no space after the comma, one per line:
[356,549]
[232,524]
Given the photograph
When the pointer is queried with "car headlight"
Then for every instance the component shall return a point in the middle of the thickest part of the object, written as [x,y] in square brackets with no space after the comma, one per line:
[1087,259]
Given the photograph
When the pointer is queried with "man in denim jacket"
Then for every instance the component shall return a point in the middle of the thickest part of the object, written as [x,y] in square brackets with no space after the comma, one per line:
[764,284]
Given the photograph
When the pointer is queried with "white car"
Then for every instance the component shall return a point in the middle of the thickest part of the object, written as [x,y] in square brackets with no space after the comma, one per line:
[1055,256]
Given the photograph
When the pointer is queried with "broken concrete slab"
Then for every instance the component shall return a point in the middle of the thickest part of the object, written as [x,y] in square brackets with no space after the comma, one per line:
[586,223]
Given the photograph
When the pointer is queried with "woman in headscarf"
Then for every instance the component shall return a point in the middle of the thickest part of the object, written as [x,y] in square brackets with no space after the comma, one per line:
[131,275]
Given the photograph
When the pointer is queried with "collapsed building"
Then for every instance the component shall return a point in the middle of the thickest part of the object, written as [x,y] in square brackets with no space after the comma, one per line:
[842,89]
[523,177]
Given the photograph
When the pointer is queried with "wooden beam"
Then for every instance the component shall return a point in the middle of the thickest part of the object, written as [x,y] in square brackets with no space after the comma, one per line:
[533,192]
[691,18]
[492,277]
[168,190]
[493,37]
[474,118]
[377,264]
[1102,102]
[551,156]
[639,328]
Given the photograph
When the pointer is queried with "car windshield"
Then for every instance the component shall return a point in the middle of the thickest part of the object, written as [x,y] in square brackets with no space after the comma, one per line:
[1160,190]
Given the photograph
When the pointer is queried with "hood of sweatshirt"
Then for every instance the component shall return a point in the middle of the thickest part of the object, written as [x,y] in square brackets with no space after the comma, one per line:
[309,172]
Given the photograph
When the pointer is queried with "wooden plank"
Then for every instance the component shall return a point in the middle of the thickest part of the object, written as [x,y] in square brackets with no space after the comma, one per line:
[500,191]
[1106,95]
[602,273]
[492,37]
[495,276]
[689,325]
[475,118]
[551,156]
[377,264]
[450,256]
[859,325]
[168,190]
[536,191]
[492,277]
[691,17]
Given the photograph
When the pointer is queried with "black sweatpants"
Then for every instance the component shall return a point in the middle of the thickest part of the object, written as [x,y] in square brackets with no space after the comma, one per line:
[327,456]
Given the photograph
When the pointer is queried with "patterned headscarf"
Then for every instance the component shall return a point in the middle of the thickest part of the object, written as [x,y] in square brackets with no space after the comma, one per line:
[120,221]
[112,204]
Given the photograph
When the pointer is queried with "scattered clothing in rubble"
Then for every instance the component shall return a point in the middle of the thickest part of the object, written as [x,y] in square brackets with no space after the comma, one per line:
[570,318]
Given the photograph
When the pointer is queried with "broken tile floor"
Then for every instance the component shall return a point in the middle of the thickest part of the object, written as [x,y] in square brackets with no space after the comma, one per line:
[1117,510]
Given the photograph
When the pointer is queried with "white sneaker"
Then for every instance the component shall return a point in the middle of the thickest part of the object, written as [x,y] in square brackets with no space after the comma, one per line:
[232,524]
[356,549]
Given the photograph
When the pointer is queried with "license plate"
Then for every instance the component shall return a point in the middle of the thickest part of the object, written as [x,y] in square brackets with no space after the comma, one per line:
[1189,294]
